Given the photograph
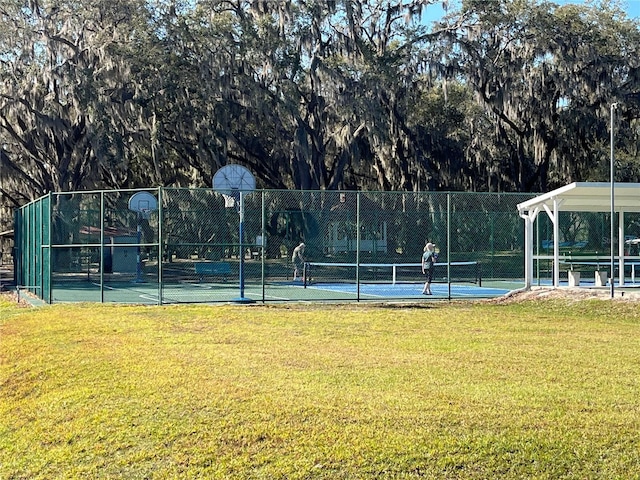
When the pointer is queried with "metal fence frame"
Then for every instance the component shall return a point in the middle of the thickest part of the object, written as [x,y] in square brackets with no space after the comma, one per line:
[62,236]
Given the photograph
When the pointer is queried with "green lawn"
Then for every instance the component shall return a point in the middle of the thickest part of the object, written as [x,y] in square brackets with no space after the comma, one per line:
[539,389]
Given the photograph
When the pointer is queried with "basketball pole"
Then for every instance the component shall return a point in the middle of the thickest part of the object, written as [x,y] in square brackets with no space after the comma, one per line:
[241,232]
[138,255]
[242,298]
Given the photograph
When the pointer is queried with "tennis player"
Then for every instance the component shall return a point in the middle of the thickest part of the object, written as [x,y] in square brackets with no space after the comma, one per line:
[298,261]
[428,261]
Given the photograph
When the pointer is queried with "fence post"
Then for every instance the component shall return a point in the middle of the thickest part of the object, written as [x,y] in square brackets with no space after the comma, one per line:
[49,273]
[160,193]
[263,235]
[449,245]
[102,256]
[358,239]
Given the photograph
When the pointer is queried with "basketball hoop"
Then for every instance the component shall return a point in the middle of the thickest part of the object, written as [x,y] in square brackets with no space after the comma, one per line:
[145,213]
[233,182]
[143,203]
[231,199]
[231,178]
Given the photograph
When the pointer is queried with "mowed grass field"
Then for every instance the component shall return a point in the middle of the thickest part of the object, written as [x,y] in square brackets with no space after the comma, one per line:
[478,390]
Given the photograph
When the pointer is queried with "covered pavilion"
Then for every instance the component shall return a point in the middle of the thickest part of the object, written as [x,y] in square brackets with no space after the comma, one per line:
[577,197]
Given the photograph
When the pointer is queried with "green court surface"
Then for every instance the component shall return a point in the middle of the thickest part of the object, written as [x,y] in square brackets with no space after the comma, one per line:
[201,292]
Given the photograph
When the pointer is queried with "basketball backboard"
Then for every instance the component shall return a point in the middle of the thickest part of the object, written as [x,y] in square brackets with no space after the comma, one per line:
[143,203]
[231,179]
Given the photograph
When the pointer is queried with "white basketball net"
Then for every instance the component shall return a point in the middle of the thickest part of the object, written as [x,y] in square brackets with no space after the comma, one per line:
[229,201]
[232,200]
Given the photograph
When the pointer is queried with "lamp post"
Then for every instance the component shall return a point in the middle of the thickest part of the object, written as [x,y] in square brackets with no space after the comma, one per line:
[613,257]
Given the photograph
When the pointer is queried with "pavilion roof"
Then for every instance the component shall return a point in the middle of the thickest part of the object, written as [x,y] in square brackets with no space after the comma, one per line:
[588,197]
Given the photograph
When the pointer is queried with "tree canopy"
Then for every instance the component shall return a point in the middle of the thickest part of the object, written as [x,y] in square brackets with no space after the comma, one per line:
[343,94]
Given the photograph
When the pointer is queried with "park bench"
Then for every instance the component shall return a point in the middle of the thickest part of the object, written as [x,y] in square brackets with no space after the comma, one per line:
[578,266]
[221,269]
[601,277]
[599,267]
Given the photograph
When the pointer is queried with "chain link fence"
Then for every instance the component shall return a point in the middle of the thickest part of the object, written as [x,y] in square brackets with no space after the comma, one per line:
[195,245]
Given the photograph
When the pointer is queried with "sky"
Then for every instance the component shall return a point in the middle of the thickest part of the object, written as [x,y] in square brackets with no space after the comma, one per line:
[632,7]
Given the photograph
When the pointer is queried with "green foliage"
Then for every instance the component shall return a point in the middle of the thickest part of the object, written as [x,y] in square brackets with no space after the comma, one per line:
[470,390]
[501,96]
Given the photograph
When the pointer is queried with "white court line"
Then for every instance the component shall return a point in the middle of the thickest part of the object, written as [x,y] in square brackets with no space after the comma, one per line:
[460,291]
[353,294]
[222,296]
[154,299]
[170,297]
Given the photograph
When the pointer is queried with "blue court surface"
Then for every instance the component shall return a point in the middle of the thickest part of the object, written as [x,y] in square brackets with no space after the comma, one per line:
[410,290]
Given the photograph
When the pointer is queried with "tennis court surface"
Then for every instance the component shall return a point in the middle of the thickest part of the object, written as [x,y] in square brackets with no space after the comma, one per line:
[322,282]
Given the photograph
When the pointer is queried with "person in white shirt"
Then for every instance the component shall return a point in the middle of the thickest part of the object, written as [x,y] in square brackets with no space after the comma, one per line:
[298,261]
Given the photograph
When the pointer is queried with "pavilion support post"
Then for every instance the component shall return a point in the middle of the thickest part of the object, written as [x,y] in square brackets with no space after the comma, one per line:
[528,249]
[553,216]
[556,244]
[620,249]
[529,220]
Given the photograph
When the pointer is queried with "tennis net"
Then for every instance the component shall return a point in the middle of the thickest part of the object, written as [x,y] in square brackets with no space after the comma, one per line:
[390,273]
